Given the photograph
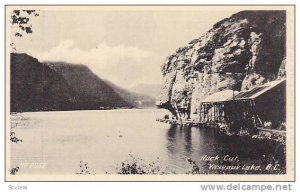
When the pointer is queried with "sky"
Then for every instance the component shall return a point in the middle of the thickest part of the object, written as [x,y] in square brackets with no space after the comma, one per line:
[124,45]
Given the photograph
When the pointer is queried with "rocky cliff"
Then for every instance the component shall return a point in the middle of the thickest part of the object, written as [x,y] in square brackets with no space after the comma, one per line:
[238,53]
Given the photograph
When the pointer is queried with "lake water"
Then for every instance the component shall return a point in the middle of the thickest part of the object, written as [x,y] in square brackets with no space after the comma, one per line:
[106,138]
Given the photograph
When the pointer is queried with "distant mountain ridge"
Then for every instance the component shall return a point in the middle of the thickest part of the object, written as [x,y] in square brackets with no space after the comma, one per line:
[84,81]
[137,99]
[151,90]
[50,86]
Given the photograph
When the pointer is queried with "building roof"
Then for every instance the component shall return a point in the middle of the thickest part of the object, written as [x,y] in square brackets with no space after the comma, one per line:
[227,95]
[257,91]
[219,96]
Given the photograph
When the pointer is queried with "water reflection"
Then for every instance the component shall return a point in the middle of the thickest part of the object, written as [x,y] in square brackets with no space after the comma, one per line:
[180,140]
[192,142]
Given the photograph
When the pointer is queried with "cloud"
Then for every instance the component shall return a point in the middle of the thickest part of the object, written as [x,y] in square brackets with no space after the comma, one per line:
[124,65]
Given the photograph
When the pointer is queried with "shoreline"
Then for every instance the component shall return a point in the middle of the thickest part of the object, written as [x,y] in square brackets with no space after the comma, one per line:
[262,134]
[100,109]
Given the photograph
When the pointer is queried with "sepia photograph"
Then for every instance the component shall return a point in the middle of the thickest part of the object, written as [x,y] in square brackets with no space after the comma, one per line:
[149,93]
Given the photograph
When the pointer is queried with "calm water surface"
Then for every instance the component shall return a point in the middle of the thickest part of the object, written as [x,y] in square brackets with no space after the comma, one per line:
[105,139]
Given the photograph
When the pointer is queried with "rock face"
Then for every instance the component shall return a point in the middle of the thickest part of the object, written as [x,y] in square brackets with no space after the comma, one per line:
[238,53]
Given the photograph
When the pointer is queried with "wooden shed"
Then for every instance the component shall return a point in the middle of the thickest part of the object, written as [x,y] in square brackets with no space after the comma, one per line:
[247,108]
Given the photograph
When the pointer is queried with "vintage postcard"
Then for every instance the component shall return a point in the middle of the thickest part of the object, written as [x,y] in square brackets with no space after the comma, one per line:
[150,93]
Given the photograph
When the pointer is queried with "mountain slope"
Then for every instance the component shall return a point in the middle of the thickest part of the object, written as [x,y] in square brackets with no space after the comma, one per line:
[38,87]
[35,86]
[89,86]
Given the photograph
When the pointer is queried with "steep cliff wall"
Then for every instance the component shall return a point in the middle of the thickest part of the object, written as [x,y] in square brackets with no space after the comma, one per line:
[238,53]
